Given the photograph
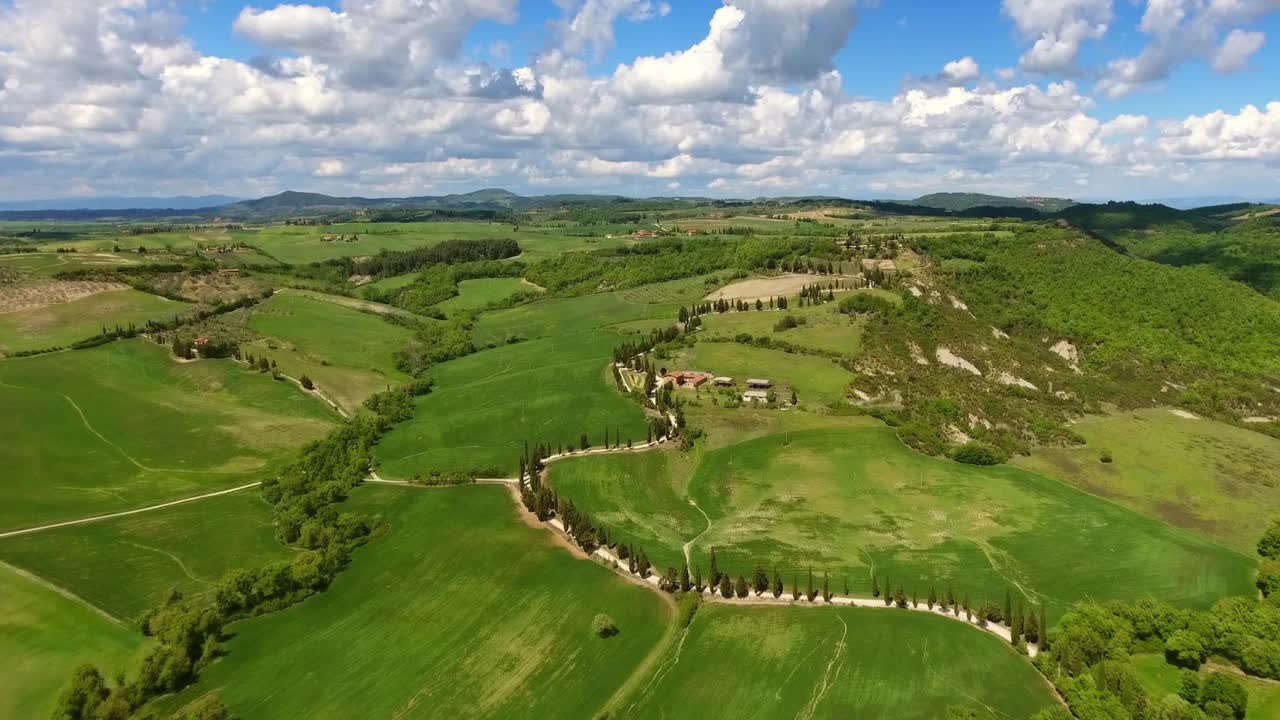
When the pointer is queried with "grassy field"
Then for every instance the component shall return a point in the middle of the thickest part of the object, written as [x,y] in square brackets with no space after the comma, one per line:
[829,663]
[1160,679]
[65,323]
[43,637]
[855,501]
[1214,479]
[479,616]
[485,406]
[562,316]
[816,380]
[476,294]
[824,328]
[186,547]
[123,425]
[348,353]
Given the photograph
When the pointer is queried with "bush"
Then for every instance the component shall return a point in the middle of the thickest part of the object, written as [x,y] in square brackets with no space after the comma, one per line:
[1269,578]
[603,626]
[1269,545]
[977,454]
[1105,457]
[785,323]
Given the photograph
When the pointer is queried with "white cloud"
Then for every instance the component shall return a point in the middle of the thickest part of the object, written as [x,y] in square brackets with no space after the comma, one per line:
[1058,28]
[591,27]
[330,168]
[958,72]
[1236,50]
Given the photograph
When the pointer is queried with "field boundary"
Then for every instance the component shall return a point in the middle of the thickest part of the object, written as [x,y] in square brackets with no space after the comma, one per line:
[64,593]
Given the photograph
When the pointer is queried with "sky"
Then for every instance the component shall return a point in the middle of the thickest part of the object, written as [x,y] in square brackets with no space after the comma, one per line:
[1125,99]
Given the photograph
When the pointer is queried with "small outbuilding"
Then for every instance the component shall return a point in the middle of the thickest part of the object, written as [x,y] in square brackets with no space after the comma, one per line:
[723,381]
[759,383]
[755,396]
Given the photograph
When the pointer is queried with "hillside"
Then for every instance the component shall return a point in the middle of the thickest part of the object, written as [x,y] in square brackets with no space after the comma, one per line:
[959,201]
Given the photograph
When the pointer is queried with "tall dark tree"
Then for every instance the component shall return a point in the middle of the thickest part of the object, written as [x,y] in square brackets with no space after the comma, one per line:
[777,583]
[795,587]
[933,597]
[760,580]
[715,569]
[875,586]
[726,586]
[1044,630]
[741,587]
[1008,607]
[810,592]
[684,578]
[1031,628]
[826,586]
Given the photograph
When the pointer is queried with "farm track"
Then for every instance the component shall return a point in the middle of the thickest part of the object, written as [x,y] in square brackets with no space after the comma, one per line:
[126,513]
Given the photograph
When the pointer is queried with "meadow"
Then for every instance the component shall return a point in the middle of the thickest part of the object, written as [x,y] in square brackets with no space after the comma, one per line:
[479,616]
[44,635]
[563,316]
[65,323]
[854,501]
[822,662]
[825,329]
[476,294]
[485,407]
[816,380]
[123,425]
[185,548]
[1160,678]
[1216,480]
[348,353]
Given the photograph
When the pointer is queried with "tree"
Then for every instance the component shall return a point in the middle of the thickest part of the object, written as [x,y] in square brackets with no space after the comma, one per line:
[684,578]
[1224,689]
[1032,628]
[1269,544]
[81,697]
[795,587]
[741,588]
[810,592]
[826,586]
[777,583]
[1015,624]
[968,611]
[697,579]
[875,586]
[761,580]
[1008,606]
[888,592]
[604,626]
[306,383]
[1185,647]
[726,586]
[584,443]
[933,597]
[1044,630]
[715,569]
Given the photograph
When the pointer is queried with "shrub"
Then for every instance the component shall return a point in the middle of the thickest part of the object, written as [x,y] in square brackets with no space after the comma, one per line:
[785,323]
[1269,545]
[1185,648]
[603,626]
[977,454]
[1105,457]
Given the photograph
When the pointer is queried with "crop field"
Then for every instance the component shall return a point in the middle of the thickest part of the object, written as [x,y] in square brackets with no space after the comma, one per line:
[44,264]
[123,425]
[37,328]
[1213,479]
[824,329]
[347,352]
[44,635]
[1161,679]
[767,287]
[185,547]
[816,380]
[485,406]
[561,316]
[686,290]
[295,244]
[505,634]
[836,663]
[854,501]
[476,294]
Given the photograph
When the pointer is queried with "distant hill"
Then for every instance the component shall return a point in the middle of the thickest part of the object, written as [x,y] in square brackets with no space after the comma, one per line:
[179,202]
[959,202]
[1114,216]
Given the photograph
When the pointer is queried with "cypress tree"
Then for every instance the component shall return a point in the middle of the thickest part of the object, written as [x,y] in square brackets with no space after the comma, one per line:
[715,569]
[826,586]
[875,586]
[933,597]
[1015,625]
[846,587]
[810,592]
[968,610]
[888,593]
[761,580]
[1031,629]
[1044,630]
[1008,607]
[915,599]
[795,587]
[684,578]
[726,586]
[741,587]
[777,583]
[697,579]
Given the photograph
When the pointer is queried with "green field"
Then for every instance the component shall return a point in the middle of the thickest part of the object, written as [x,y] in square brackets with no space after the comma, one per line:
[476,294]
[185,547]
[829,663]
[123,425]
[347,352]
[562,316]
[856,501]
[1214,479]
[486,406]
[824,329]
[65,323]
[816,380]
[1160,679]
[410,631]
[43,637]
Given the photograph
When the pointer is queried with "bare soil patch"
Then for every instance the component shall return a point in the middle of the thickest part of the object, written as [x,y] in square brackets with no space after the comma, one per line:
[35,295]
[765,288]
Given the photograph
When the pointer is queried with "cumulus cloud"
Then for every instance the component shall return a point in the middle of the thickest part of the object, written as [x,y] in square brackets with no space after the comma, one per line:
[755,107]
[1182,30]
[958,72]
[749,42]
[591,25]
[1058,29]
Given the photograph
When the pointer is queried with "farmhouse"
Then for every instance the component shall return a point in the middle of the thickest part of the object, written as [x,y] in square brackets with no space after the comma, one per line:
[759,383]
[755,396]
[688,378]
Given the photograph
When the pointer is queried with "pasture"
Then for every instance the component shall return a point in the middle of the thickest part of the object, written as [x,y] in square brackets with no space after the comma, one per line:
[37,326]
[1219,481]
[816,380]
[477,294]
[460,610]
[130,564]
[563,316]
[823,662]
[855,501]
[123,425]
[1160,678]
[824,329]
[349,353]
[485,406]
[44,635]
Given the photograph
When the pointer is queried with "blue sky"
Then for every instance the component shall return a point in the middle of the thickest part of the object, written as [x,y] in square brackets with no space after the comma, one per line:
[735,97]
